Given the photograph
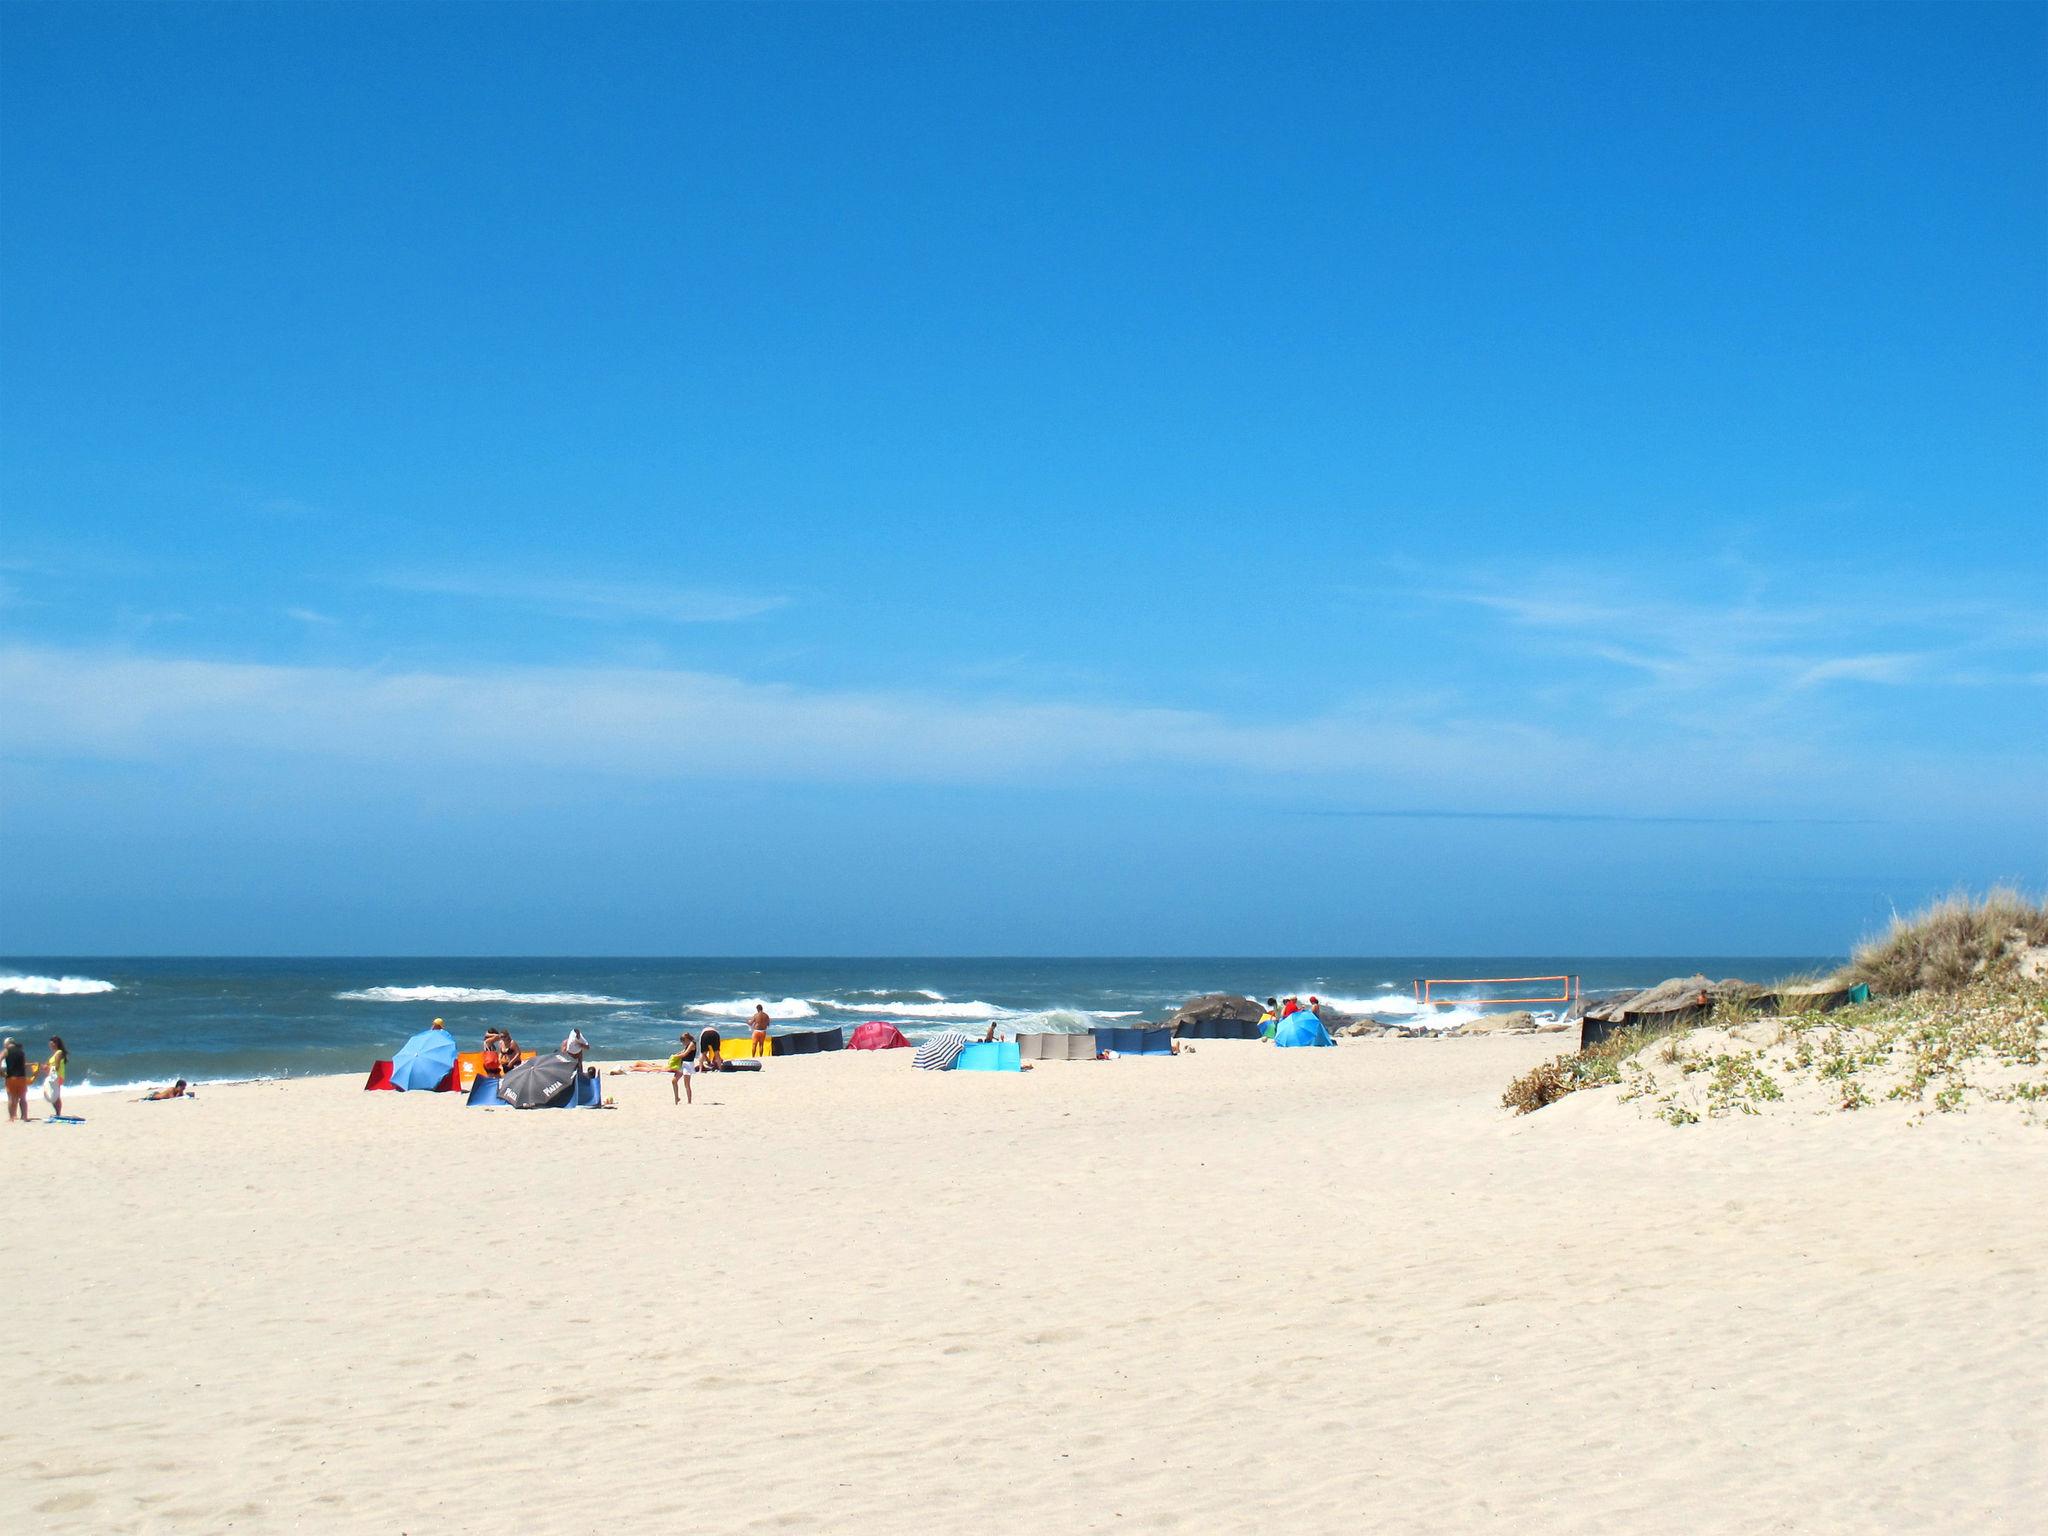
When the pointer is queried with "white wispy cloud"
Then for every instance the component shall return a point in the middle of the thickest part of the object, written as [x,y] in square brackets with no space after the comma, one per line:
[60,704]
[1766,644]
[310,616]
[670,722]
[580,598]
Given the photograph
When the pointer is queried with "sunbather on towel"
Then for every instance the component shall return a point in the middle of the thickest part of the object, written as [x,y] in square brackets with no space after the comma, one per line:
[177,1090]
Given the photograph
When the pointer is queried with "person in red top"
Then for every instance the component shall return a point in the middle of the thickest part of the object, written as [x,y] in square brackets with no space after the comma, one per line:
[1291,1006]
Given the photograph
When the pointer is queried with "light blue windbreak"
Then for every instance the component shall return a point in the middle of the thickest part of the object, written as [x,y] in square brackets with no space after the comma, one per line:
[1302,1028]
[424,1060]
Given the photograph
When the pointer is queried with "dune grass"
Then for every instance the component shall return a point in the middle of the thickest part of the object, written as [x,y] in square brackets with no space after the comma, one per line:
[1952,1021]
[1946,946]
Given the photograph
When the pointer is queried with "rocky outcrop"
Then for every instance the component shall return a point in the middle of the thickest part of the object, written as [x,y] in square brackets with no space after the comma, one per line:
[1213,1006]
[1520,1022]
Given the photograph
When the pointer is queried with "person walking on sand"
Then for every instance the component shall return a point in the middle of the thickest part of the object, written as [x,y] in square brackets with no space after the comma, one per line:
[682,1067]
[14,1063]
[759,1025]
[53,1076]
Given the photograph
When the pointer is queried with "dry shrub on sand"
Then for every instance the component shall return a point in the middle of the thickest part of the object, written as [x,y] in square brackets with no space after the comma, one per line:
[1950,944]
[1537,1087]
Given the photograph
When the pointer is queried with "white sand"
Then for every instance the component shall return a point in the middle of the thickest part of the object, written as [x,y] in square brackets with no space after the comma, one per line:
[1240,1290]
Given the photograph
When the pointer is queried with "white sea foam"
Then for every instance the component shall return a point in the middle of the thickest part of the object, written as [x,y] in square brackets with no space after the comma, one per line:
[936,1010]
[485,995]
[743,1008]
[924,992]
[1400,1005]
[56,986]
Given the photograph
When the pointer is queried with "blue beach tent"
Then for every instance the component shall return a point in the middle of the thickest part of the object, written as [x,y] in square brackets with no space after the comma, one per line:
[989,1056]
[1302,1028]
[424,1062]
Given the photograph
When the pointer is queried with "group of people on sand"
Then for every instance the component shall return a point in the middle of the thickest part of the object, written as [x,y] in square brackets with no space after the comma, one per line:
[20,1072]
[705,1052]
[1277,1009]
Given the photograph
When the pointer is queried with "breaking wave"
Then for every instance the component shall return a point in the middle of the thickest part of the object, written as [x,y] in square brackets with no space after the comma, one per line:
[56,986]
[743,1008]
[932,1010]
[485,995]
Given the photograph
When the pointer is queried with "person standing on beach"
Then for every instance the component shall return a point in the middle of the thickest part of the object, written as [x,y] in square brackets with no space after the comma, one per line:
[575,1046]
[14,1062]
[759,1025]
[53,1076]
[682,1067]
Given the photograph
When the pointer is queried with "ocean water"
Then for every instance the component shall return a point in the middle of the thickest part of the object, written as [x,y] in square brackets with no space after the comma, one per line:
[132,1021]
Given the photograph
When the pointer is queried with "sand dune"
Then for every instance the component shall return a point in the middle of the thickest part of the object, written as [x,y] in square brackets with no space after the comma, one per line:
[1241,1289]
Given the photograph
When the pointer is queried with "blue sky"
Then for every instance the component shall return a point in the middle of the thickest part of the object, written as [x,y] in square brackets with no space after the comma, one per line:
[1012,480]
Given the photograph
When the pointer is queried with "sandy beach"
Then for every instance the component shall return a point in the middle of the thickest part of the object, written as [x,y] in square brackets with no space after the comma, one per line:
[1309,1291]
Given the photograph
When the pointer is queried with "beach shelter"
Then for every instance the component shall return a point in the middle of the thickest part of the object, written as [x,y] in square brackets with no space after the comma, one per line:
[1302,1028]
[1057,1045]
[380,1078]
[1136,1042]
[546,1082]
[483,1091]
[989,1056]
[1218,1029]
[425,1062]
[939,1052]
[877,1036]
[805,1042]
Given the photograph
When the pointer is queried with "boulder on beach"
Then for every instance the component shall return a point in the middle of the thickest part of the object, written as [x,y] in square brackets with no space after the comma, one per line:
[1215,1007]
[1520,1022]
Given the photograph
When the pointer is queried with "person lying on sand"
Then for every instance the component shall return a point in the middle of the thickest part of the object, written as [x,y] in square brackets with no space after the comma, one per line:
[682,1067]
[177,1090]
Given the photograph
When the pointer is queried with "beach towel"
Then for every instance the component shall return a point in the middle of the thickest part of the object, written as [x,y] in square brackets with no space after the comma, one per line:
[940,1052]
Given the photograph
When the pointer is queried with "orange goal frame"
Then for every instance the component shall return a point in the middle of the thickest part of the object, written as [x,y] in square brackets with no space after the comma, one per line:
[1569,989]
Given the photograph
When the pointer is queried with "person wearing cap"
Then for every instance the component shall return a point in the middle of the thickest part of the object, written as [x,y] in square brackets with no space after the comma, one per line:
[438,1024]
[574,1047]
[14,1062]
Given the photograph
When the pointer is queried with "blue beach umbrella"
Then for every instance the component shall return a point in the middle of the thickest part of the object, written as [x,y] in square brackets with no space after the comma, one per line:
[1299,1029]
[424,1060]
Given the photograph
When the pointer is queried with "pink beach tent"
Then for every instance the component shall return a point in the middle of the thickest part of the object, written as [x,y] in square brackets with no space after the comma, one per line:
[876,1036]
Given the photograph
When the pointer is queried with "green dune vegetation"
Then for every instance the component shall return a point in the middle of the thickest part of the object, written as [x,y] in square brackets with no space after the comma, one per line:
[1957,1016]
